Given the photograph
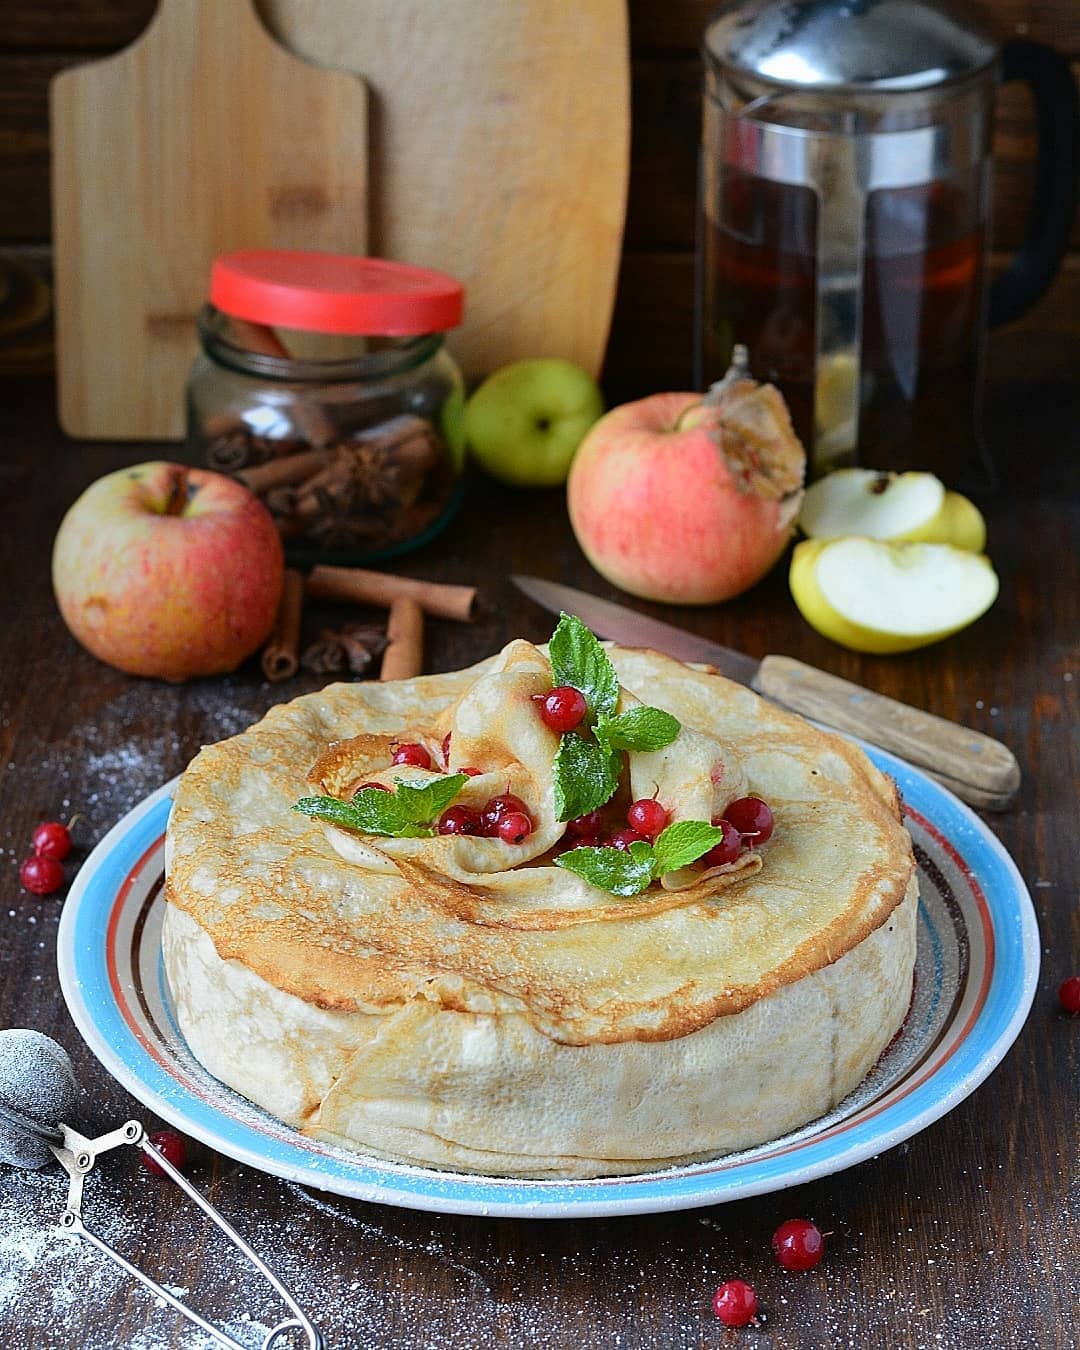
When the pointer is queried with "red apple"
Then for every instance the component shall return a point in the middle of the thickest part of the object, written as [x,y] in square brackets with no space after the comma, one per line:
[167,571]
[676,499]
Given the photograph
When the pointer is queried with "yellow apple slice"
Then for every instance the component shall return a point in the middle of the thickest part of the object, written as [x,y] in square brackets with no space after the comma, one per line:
[891,506]
[959,522]
[882,596]
[877,505]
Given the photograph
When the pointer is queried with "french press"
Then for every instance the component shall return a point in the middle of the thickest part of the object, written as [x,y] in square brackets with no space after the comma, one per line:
[845,217]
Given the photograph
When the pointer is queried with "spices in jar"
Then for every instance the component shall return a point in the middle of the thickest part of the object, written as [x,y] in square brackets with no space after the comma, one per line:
[325,386]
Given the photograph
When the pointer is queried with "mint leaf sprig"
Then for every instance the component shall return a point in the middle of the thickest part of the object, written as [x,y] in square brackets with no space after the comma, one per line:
[586,771]
[630,872]
[405,813]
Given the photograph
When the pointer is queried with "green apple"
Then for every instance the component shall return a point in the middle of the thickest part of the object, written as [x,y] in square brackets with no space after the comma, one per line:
[912,506]
[883,596]
[526,421]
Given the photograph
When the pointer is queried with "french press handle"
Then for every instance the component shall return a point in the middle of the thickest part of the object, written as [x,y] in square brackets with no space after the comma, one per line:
[1057,173]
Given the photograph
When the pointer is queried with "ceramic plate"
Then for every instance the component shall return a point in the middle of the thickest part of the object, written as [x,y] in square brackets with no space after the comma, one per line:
[977,964]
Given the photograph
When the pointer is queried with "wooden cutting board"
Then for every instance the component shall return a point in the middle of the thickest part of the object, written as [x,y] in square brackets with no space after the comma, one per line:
[500,150]
[204,135]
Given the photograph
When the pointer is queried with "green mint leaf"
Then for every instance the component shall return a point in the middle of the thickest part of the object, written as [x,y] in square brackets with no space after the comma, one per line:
[370,811]
[611,869]
[639,728]
[578,659]
[421,803]
[683,843]
[586,776]
[403,814]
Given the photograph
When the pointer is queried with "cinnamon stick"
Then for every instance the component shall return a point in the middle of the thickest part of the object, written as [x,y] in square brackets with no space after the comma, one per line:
[281,655]
[404,655]
[360,587]
[287,470]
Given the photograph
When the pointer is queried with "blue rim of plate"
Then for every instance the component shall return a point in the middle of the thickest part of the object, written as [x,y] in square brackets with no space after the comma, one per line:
[976,975]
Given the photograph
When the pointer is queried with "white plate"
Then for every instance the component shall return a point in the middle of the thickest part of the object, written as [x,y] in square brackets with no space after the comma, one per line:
[976,970]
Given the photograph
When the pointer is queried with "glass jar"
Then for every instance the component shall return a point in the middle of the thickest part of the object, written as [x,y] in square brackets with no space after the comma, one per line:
[325,386]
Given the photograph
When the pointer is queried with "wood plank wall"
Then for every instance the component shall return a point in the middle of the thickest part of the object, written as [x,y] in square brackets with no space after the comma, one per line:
[650,345]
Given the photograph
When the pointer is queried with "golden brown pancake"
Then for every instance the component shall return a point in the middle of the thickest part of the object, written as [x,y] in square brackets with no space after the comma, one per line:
[464,1003]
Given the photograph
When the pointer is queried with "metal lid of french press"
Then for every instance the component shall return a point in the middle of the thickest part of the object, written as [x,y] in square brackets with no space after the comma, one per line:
[861,45]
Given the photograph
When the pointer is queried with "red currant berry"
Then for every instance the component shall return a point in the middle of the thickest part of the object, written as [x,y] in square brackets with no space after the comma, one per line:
[798,1244]
[514,827]
[727,850]
[471,772]
[1069,995]
[171,1146]
[583,841]
[735,1303]
[622,840]
[563,709]
[41,875]
[647,816]
[446,749]
[377,787]
[497,807]
[52,840]
[411,753]
[580,826]
[459,820]
[752,818]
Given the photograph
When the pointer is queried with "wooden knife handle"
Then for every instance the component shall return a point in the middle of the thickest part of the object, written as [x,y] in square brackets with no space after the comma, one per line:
[980,770]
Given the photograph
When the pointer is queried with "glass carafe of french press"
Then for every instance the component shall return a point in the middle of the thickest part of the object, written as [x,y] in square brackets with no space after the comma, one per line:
[845,217]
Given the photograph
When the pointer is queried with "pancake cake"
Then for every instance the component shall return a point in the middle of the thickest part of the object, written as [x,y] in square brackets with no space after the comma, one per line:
[367,950]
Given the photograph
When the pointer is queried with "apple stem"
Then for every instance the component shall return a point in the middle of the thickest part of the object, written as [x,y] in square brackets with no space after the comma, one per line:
[738,370]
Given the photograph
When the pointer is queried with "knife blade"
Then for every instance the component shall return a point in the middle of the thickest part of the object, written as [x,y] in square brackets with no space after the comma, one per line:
[980,770]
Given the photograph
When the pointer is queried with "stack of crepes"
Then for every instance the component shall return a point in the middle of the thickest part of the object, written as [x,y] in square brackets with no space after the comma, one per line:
[464,1003]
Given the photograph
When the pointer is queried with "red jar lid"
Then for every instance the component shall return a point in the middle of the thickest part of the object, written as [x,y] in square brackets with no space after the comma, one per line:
[334,293]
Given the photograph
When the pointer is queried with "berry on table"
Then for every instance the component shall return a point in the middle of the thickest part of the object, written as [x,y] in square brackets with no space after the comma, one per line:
[798,1244]
[735,1303]
[460,820]
[412,753]
[622,839]
[563,708]
[752,818]
[1069,995]
[41,875]
[728,849]
[514,827]
[647,816]
[51,839]
[171,1146]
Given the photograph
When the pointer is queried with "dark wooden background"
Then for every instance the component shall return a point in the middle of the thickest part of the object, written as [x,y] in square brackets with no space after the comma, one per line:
[651,337]
[965,1237]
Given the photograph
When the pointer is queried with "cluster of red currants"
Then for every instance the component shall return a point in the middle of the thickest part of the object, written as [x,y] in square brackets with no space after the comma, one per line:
[797,1244]
[43,872]
[505,817]
[746,822]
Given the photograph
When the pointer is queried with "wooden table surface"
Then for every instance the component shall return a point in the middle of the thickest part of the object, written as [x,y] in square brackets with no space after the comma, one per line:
[966,1235]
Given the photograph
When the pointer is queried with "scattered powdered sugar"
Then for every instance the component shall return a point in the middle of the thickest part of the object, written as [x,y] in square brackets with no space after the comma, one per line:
[372,1277]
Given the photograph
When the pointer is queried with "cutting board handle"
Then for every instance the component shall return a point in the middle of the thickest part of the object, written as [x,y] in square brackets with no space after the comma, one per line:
[180,17]
[980,770]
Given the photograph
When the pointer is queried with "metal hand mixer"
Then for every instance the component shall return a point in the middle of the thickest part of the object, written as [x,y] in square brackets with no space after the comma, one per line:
[37,1091]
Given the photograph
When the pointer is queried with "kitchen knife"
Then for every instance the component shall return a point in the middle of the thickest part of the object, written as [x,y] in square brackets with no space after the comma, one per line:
[977,768]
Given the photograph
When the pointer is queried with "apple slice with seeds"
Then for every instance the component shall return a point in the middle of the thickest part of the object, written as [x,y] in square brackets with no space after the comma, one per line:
[891,506]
